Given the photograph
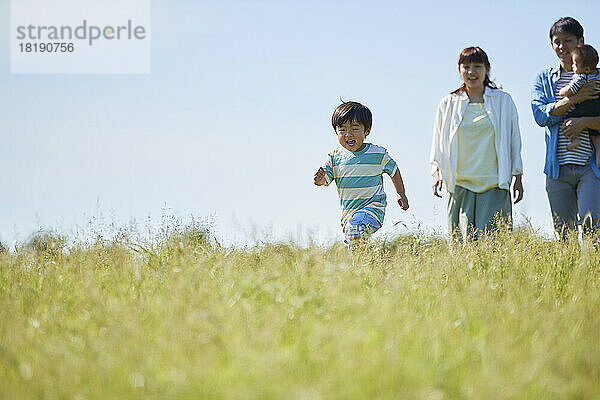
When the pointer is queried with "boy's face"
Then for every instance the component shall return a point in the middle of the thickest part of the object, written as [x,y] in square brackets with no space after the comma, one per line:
[351,135]
[579,67]
[563,44]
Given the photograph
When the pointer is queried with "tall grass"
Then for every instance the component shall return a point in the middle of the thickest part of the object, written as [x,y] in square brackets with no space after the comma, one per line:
[512,316]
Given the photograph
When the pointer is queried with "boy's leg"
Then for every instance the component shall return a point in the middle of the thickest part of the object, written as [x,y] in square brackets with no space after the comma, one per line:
[593,110]
[578,111]
[588,108]
[360,227]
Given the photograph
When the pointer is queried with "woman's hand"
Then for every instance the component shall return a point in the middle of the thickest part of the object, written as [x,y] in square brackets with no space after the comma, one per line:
[518,188]
[437,183]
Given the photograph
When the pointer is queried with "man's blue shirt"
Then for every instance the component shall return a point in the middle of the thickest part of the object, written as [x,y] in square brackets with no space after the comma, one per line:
[542,103]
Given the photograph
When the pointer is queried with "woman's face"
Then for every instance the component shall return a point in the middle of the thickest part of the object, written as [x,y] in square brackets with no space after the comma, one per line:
[473,74]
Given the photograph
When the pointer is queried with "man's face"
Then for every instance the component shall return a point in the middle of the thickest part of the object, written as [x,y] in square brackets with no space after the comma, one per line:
[563,44]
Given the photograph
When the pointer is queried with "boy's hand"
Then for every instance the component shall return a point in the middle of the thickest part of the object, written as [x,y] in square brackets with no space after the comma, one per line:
[403,201]
[320,177]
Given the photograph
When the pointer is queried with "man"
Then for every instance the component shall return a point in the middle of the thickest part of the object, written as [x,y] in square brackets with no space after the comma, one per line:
[572,177]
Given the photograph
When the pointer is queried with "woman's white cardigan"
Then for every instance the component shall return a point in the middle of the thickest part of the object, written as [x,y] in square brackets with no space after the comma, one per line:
[505,120]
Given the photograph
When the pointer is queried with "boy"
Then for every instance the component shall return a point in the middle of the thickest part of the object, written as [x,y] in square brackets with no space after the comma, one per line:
[357,170]
[585,59]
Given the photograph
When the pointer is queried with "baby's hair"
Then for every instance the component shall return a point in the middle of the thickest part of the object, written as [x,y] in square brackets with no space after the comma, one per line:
[350,111]
[588,55]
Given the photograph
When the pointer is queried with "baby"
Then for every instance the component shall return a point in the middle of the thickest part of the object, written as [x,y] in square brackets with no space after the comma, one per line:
[357,169]
[585,59]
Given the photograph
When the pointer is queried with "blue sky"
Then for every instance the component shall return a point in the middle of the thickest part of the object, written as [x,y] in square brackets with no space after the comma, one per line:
[234,117]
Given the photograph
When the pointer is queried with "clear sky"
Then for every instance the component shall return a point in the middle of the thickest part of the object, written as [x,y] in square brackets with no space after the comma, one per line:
[234,118]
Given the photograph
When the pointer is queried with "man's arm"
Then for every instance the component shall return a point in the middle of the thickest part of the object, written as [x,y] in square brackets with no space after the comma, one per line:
[573,126]
[400,191]
[542,102]
[563,105]
[592,123]
[589,91]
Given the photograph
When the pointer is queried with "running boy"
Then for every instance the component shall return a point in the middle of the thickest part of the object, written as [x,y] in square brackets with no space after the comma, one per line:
[585,60]
[357,169]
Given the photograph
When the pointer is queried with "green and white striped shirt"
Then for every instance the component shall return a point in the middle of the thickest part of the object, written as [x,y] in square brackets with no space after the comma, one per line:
[359,179]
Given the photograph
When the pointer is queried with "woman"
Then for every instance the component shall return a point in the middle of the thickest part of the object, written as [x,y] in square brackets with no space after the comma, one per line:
[476,150]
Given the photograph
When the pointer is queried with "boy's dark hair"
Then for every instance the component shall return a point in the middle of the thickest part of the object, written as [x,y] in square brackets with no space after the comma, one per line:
[350,111]
[588,54]
[567,25]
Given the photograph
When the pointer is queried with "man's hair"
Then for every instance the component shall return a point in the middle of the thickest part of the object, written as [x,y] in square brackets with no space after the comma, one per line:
[567,25]
[588,55]
[350,111]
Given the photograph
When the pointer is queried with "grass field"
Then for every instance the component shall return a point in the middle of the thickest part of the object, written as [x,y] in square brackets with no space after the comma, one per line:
[511,317]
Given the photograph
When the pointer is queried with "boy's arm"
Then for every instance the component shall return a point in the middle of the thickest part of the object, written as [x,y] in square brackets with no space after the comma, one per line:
[324,175]
[573,126]
[566,91]
[389,167]
[589,91]
[400,191]
[320,177]
[573,87]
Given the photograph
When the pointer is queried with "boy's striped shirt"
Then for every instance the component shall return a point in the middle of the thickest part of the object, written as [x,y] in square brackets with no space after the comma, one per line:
[581,79]
[581,154]
[359,179]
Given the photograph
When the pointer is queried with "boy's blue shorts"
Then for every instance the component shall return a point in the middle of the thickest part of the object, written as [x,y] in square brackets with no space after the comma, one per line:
[362,224]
